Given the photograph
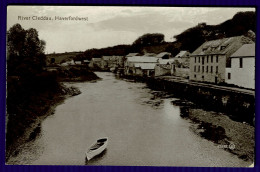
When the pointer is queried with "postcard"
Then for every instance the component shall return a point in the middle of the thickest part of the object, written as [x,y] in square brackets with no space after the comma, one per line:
[130,86]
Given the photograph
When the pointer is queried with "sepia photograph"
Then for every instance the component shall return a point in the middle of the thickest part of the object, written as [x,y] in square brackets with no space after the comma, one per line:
[130,86]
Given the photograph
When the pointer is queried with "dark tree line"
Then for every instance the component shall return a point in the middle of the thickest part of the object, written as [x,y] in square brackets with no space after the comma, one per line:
[30,88]
[240,24]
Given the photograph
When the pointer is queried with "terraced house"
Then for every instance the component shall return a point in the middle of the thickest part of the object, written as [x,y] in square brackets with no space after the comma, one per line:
[208,63]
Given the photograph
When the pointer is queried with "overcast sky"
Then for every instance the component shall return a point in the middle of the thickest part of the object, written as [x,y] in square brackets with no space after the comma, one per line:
[109,26]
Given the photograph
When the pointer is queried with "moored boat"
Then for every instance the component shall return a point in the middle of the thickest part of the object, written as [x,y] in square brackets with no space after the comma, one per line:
[96,148]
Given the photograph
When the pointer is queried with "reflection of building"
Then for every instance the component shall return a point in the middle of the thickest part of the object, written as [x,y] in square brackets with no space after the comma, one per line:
[208,62]
[242,70]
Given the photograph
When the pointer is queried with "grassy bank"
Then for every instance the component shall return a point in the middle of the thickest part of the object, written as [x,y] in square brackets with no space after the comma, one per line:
[32,99]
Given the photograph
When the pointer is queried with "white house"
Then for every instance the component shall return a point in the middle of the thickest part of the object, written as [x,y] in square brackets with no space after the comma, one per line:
[208,63]
[242,70]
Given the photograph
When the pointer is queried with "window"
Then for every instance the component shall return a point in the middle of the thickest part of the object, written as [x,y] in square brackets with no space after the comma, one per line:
[199,59]
[229,75]
[194,76]
[211,69]
[240,62]
[202,69]
[207,59]
[211,58]
[203,60]
[216,69]
[195,59]
[199,69]
[217,58]
[207,69]
[222,47]
[194,68]
[202,77]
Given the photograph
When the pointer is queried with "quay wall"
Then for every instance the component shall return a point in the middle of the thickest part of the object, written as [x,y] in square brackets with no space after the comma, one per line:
[239,106]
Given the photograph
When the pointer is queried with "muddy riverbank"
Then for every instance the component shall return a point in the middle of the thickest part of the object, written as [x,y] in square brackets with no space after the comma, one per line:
[235,137]
[31,131]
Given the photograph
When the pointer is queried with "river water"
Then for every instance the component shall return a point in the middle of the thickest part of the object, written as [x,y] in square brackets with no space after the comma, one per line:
[142,130]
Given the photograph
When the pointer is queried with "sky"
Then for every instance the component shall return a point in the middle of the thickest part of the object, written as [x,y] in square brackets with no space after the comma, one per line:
[104,26]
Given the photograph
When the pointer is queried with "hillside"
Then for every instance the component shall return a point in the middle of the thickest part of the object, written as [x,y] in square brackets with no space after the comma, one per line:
[240,24]
[189,39]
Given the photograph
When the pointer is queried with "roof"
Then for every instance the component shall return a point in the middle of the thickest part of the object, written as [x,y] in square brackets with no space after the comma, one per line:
[131,54]
[160,55]
[96,59]
[142,59]
[182,53]
[150,54]
[166,61]
[111,58]
[106,58]
[222,46]
[247,50]
[145,66]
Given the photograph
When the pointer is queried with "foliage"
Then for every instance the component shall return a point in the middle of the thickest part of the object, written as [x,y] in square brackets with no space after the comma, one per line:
[149,39]
[240,24]
[25,51]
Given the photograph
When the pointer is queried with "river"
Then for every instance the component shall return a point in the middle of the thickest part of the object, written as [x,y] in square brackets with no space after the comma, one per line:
[143,130]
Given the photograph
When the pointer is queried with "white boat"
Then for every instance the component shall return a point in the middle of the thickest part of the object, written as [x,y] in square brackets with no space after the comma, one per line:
[97,148]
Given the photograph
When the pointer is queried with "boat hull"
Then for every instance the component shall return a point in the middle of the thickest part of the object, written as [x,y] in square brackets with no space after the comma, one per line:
[92,153]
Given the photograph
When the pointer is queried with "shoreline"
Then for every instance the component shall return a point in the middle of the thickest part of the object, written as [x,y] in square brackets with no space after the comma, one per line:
[238,138]
[58,99]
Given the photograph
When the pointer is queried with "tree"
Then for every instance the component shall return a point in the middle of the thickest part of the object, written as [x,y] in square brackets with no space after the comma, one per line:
[25,51]
[149,39]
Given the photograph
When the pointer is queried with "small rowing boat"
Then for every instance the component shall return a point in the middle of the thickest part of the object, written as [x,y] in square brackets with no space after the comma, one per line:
[97,148]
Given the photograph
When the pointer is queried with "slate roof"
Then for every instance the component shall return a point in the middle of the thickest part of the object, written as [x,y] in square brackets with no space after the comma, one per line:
[142,59]
[165,61]
[96,59]
[222,46]
[247,50]
[106,58]
[160,55]
[131,54]
[181,53]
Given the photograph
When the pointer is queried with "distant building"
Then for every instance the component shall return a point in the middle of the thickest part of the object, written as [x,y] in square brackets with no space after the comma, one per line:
[180,67]
[77,62]
[108,62]
[150,54]
[163,67]
[132,54]
[120,61]
[144,69]
[130,62]
[242,70]
[164,55]
[209,61]
[86,62]
[95,63]
[183,58]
